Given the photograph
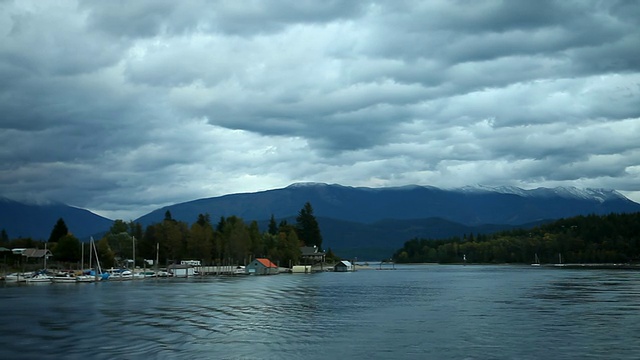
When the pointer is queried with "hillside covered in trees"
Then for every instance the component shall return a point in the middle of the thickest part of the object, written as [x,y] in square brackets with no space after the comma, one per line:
[613,238]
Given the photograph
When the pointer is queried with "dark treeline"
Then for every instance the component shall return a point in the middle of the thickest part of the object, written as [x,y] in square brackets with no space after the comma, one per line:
[229,241]
[613,238]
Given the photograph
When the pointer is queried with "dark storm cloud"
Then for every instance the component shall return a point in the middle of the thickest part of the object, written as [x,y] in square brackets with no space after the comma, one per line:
[126,106]
[148,18]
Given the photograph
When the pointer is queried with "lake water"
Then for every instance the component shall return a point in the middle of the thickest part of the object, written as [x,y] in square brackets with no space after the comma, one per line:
[413,312]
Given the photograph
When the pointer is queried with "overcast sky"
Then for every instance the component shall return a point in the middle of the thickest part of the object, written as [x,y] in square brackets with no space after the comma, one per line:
[122,107]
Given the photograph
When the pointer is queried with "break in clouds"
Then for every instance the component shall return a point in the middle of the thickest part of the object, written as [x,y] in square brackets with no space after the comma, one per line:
[122,107]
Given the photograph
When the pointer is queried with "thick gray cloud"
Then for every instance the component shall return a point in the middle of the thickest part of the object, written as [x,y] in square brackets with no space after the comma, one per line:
[122,107]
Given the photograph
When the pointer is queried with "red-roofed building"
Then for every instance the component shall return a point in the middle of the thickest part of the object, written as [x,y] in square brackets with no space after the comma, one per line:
[262,266]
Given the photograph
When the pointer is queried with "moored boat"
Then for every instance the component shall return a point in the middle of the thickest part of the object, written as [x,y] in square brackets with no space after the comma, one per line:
[85,278]
[17,277]
[41,277]
[119,274]
[64,277]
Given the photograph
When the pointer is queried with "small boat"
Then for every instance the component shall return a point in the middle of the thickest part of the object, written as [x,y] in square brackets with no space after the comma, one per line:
[536,261]
[17,277]
[119,274]
[239,270]
[64,277]
[41,277]
[144,274]
[163,273]
[85,278]
[560,263]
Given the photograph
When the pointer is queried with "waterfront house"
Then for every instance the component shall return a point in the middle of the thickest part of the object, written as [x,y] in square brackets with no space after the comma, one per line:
[261,266]
[343,266]
[311,254]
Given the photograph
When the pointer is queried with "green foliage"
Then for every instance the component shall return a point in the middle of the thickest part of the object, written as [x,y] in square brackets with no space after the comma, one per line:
[231,241]
[59,230]
[288,248]
[105,254]
[613,238]
[308,228]
[273,228]
[119,226]
[4,237]
[120,245]
[331,257]
[200,240]
[67,249]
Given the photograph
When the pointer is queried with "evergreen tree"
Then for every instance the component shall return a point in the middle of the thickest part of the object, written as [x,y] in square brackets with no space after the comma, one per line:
[4,237]
[200,240]
[106,255]
[255,240]
[308,228]
[135,229]
[221,224]
[288,248]
[59,230]
[273,228]
[203,219]
[119,226]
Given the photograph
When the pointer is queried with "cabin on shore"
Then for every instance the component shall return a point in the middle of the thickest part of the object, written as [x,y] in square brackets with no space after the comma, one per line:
[311,255]
[261,266]
[36,253]
[33,255]
[343,266]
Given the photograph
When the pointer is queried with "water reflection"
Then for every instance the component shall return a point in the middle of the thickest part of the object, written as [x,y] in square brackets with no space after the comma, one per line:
[413,312]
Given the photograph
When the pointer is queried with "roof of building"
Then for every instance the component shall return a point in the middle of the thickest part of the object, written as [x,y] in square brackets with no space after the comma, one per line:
[310,251]
[179,266]
[266,262]
[36,253]
[344,263]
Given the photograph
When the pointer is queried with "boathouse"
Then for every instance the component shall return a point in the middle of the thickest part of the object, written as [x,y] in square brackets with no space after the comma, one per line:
[180,270]
[343,266]
[261,266]
[301,269]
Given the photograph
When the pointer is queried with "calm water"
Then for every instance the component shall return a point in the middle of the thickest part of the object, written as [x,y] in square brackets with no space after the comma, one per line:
[414,312]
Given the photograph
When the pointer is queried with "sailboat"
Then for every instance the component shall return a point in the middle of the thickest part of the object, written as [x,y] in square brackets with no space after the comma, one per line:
[536,261]
[559,260]
[85,277]
[94,274]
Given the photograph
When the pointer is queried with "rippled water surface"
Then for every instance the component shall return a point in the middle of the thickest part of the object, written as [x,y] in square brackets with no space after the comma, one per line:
[413,312]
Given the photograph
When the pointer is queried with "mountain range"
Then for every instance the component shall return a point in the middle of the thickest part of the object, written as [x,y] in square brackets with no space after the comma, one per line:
[355,221]
[37,220]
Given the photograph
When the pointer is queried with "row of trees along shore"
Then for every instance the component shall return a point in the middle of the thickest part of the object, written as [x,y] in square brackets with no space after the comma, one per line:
[229,242]
[613,238]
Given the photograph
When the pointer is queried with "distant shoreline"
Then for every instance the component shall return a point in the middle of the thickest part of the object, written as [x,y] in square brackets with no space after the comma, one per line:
[546,266]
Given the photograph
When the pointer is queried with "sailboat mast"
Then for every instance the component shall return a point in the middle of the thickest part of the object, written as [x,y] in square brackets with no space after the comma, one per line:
[95,251]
